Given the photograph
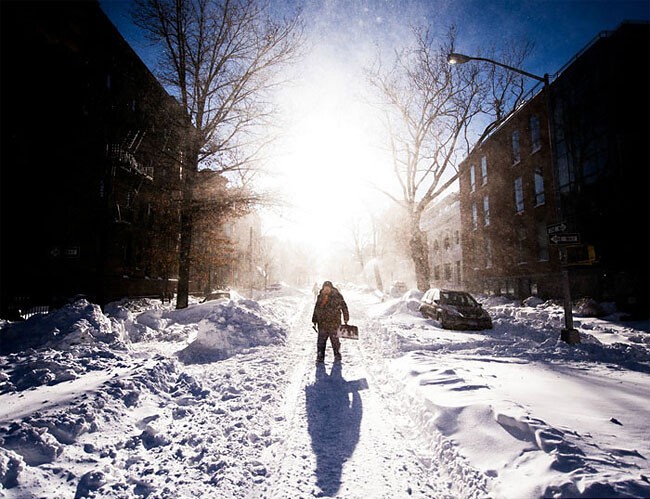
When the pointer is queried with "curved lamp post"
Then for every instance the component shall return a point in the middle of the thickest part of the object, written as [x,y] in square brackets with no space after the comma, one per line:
[569,334]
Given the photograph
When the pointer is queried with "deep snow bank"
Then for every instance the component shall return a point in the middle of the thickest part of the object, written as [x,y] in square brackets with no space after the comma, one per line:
[60,346]
[75,323]
[514,411]
[227,328]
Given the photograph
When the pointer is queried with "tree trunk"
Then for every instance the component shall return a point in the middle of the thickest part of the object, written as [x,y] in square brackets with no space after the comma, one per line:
[380,284]
[420,255]
[182,297]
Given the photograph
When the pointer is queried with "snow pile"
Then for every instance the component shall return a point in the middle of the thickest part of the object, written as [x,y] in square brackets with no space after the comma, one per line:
[514,411]
[408,303]
[60,346]
[137,423]
[74,324]
[226,329]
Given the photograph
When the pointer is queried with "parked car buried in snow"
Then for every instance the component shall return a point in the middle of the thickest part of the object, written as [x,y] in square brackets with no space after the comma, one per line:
[217,295]
[454,309]
[398,289]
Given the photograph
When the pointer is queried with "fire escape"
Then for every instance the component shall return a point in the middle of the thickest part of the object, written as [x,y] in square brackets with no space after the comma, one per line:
[122,158]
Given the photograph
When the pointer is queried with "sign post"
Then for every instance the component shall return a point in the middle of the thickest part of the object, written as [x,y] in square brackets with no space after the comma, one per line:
[558,237]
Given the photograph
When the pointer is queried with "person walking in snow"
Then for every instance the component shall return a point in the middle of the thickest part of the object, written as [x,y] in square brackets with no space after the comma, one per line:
[327,317]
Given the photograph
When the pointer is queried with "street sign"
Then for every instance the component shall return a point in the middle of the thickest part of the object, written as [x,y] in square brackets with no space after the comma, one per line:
[565,238]
[556,228]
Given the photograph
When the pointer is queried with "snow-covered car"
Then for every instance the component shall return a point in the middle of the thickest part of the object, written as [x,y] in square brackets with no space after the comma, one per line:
[398,289]
[217,295]
[454,309]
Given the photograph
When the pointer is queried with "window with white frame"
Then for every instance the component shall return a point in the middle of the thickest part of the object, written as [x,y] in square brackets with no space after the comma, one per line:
[486,210]
[540,197]
[535,135]
[519,195]
[458,274]
[474,216]
[472,178]
[516,151]
[484,172]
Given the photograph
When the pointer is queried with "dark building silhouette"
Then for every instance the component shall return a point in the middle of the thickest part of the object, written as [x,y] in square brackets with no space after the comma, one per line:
[601,111]
[595,190]
[92,161]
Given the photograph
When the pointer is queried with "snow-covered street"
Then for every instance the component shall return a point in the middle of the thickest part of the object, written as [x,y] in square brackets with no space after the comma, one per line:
[223,399]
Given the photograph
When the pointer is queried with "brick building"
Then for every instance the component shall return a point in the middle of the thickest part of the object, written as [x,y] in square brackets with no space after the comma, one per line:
[507,201]
[596,187]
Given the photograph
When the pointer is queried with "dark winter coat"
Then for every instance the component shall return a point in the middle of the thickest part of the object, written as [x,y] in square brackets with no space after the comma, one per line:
[328,315]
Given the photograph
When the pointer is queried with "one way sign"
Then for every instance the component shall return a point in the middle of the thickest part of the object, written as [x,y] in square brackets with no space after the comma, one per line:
[565,238]
[556,228]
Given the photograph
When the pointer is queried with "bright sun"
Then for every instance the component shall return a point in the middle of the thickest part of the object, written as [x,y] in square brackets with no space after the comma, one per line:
[330,157]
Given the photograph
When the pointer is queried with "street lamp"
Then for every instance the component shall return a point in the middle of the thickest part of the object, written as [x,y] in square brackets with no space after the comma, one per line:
[569,334]
[455,58]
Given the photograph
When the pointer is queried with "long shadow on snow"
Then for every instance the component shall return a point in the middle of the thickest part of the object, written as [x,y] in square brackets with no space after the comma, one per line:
[333,419]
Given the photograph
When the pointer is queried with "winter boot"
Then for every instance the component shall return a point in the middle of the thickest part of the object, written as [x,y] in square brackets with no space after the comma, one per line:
[337,357]
[320,359]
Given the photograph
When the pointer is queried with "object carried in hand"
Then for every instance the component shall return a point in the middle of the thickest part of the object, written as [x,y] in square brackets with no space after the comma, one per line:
[348,331]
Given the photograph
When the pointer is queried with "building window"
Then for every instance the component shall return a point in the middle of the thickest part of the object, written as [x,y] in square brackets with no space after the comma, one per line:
[516,152]
[436,272]
[472,178]
[488,253]
[457,236]
[447,243]
[565,176]
[521,245]
[484,169]
[458,275]
[535,136]
[447,271]
[486,210]
[474,216]
[542,242]
[540,198]
[519,195]
[436,246]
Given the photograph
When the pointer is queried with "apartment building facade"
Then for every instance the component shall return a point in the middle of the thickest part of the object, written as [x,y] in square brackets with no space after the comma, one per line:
[507,203]
[441,223]
[517,196]
[92,161]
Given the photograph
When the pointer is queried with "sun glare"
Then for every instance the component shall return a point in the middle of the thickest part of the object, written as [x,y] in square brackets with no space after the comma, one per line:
[330,157]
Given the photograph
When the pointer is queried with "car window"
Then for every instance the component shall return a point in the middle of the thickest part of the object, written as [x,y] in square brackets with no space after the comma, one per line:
[459,299]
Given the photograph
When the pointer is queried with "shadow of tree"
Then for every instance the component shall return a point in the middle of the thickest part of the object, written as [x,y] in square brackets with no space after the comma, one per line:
[334,411]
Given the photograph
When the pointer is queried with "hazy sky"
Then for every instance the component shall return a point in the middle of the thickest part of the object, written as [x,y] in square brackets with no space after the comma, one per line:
[330,146]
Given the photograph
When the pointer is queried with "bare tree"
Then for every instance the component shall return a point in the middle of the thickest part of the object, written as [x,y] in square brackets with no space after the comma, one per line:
[429,108]
[222,58]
